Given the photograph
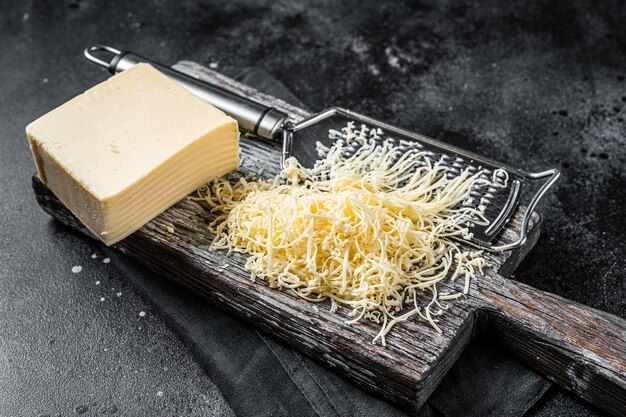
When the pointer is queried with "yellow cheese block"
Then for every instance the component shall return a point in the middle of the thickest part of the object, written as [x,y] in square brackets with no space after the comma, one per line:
[130,147]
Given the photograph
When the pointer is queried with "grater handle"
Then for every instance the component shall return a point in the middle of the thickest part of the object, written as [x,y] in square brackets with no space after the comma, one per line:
[266,122]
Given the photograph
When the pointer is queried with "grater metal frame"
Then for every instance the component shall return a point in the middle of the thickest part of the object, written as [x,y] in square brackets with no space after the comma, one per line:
[270,123]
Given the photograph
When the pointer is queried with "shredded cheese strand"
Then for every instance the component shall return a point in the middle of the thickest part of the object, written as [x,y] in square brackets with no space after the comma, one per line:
[369,230]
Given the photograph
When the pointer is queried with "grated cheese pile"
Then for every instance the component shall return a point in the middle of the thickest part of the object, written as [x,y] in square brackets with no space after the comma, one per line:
[369,230]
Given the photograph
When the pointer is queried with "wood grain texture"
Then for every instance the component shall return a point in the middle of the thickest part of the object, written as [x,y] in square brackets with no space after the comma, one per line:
[582,349]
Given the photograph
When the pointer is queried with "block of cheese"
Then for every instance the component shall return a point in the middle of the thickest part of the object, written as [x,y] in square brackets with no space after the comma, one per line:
[128,148]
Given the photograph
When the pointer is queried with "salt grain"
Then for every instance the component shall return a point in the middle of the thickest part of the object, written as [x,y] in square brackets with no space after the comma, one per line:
[101,299]
[76,269]
[119,294]
[97,282]
[94,256]
[106,260]
[142,314]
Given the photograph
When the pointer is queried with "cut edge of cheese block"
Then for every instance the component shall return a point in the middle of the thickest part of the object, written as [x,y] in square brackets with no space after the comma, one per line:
[114,219]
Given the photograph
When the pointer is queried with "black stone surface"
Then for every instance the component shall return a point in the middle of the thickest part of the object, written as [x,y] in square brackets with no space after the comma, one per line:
[536,84]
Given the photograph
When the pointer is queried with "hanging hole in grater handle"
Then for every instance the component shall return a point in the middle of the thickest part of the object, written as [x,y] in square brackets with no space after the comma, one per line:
[104,51]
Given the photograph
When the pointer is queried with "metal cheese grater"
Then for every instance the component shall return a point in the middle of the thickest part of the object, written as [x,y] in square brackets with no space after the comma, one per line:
[299,139]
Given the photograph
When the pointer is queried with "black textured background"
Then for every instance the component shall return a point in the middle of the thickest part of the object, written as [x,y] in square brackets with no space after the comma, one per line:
[534,83]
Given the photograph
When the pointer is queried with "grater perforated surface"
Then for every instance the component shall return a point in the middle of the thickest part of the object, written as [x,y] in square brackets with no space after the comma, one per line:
[497,201]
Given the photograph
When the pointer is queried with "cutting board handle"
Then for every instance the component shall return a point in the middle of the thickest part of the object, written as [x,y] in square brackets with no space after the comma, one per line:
[580,348]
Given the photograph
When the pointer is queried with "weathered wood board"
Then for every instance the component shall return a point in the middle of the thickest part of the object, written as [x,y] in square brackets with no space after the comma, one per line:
[580,348]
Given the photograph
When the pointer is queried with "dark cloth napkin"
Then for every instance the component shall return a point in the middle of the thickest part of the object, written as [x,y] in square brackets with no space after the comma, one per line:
[258,376]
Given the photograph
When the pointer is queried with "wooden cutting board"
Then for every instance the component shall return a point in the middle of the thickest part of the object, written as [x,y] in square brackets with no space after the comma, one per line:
[582,349]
